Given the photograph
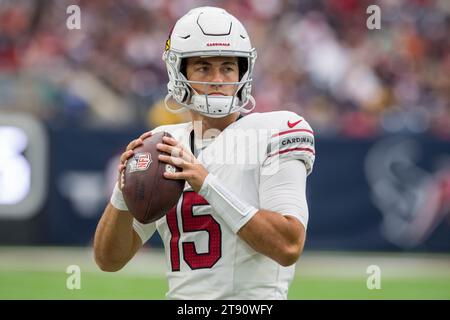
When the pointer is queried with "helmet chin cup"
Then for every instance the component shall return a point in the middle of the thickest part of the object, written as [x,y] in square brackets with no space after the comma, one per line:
[220,106]
[214,106]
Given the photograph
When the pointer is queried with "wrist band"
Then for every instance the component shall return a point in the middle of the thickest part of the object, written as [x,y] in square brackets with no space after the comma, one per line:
[235,212]
[117,200]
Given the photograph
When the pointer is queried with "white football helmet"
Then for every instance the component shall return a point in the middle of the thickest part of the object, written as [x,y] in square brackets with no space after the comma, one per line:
[206,32]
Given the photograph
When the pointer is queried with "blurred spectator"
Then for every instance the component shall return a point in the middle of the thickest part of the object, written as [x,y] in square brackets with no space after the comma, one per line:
[314,57]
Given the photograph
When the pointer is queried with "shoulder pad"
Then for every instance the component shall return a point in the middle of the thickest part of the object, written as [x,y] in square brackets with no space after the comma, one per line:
[293,139]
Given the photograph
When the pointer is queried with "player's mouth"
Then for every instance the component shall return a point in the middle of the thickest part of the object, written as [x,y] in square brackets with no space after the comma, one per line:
[216,94]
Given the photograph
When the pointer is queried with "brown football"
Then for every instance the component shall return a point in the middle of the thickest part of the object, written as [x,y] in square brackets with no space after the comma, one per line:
[147,193]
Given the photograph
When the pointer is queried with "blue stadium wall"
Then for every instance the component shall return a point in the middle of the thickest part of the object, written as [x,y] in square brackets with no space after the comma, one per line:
[389,193]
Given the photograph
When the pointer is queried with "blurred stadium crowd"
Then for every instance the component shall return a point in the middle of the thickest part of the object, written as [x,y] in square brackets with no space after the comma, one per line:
[314,57]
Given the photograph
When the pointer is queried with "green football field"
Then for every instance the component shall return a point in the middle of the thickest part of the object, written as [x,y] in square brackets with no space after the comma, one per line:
[41,273]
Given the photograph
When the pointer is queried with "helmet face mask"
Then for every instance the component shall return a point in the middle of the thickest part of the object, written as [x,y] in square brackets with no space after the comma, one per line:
[219,34]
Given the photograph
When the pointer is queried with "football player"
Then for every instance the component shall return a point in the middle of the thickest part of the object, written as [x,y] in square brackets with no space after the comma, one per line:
[239,227]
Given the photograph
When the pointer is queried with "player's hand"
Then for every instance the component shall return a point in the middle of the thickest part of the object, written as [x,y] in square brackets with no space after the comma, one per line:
[193,171]
[128,154]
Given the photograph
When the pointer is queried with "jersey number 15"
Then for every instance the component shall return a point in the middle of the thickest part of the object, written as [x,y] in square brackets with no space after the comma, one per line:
[193,223]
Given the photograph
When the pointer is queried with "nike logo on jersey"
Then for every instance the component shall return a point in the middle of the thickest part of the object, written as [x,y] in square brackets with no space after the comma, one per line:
[293,124]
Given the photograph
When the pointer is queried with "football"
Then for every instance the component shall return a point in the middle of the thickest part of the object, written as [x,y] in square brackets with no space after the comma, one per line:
[147,193]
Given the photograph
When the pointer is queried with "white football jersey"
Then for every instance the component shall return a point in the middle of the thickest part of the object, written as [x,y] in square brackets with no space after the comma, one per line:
[205,259]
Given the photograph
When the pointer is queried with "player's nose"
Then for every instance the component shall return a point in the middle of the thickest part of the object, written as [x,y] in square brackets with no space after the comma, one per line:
[217,75]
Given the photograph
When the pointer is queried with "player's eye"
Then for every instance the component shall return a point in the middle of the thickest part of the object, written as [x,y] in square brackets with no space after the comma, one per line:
[202,69]
[228,69]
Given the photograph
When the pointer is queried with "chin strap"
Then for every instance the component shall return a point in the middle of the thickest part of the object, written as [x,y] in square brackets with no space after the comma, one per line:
[250,100]
[179,110]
